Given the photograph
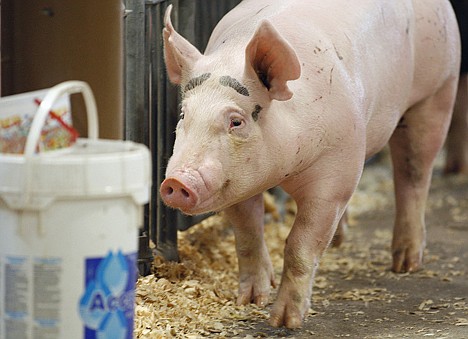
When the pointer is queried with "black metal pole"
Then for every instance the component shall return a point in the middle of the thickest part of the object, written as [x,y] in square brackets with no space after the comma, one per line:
[136,104]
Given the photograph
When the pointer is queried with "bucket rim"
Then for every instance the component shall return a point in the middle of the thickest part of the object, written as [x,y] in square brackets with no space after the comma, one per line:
[72,153]
[120,168]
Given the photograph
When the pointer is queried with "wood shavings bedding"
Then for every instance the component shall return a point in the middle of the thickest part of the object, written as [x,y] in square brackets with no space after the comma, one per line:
[196,297]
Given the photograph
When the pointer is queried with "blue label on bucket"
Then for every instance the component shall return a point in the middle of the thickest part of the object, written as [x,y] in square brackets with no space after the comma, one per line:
[107,305]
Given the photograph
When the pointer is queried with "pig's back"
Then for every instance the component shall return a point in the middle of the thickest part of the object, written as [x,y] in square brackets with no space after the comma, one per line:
[354,37]
[366,37]
[379,57]
[437,48]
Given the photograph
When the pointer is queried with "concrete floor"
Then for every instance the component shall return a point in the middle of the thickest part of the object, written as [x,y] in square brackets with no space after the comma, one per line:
[357,296]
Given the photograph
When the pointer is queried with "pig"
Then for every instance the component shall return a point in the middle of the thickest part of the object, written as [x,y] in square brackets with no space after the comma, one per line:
[298,94]
[457,140]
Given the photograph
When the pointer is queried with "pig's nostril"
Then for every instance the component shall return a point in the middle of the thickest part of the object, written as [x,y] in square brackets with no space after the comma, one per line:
[176,194]
[185,193]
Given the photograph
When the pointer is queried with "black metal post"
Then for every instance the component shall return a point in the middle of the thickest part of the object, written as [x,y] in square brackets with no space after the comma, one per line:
[152,103]
[136,104]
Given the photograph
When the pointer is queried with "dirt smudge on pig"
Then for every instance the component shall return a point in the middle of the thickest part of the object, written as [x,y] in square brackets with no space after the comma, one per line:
[413,171]
[226,183]
[338,53]
[261,9]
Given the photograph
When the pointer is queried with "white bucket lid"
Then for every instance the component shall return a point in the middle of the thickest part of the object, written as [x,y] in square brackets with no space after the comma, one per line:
[90,169]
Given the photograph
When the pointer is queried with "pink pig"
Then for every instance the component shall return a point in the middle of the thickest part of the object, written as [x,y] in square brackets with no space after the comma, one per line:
[298,94]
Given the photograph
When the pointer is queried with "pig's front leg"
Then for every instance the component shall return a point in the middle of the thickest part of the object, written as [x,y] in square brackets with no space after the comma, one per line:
[319,209]
[255,268]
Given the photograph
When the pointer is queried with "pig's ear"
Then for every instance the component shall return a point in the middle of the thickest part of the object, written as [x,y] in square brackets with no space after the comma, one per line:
[179,54]
[273,60]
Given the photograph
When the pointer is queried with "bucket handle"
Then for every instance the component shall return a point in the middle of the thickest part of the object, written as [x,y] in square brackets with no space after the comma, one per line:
[67,87]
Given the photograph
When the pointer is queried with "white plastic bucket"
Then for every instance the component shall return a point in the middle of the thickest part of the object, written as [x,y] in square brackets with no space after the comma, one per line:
[69,233]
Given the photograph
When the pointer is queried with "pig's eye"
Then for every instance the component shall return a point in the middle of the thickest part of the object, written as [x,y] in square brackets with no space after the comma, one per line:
[236,122]
[181,115]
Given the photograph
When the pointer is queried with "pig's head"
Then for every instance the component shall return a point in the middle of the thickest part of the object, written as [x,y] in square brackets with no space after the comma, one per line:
[222,153]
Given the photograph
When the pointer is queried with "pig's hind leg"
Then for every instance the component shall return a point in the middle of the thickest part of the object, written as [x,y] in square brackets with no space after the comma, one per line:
[255,269]
[457,140]
[414,146]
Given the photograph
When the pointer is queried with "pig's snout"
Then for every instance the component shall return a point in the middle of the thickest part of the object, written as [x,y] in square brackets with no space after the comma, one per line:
[177,195]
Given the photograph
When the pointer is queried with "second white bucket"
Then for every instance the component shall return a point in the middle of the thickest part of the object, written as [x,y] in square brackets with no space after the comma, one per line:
[69,224]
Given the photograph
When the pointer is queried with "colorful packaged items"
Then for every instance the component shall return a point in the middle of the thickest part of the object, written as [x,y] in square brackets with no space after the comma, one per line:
[17,113]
